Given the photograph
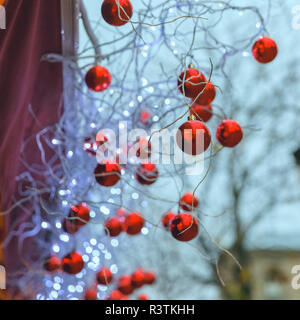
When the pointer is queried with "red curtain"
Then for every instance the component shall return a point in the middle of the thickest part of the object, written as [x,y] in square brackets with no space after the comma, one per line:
[33,28]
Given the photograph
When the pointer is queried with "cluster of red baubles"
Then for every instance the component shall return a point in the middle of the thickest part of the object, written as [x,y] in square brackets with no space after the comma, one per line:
[72,263]
[125,285]
[78,217]
[131,223]
[183,226]
[193,136]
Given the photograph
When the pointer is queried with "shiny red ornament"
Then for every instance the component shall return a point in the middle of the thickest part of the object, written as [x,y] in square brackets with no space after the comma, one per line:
[104,276]
[107,173]
[70,226]
[53,263]
[229,133]
[72,263]
[143,296]
[149,277]
[188,202]
[202,113]
[208,95]
[144,148]
[133,223]
[138,278]
[264,50]
[90,294]
[145,117]
[147,173]
[192,81]
[189,137]
[184,227]
[98,78]
[166,219]
[82,212]
[115,15]
[124,285]
[113,227]
[117,295]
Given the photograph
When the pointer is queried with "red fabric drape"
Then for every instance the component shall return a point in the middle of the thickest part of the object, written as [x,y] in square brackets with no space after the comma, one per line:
[33,29]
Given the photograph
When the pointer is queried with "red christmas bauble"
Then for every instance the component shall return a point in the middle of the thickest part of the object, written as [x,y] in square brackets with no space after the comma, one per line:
[188,137]
[52,263]
[166,219]
[70,226]
[115,15]
[138,278]
[188,202]
[113,227]
[90,294]
[184,227]
[192,81]
[208,95]
[104,276]
[144,148]
[72,263]
[133,223]
[117,295]
[147,173]
[124,285]
[107,173]
[145,117]
[264,50]
[98,78]
[229,133]
[202,113]
[149,277]
[80,211]
[143,296]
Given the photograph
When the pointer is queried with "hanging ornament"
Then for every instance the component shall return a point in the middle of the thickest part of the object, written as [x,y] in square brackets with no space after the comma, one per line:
[107,173]
[184,227]
[124,285]
[229,133]
[149,277]
[166,219]
[98,78]
[264,50]
[144,148]
[133,223]
[143,296]
[70,226]
[72,263]
[116,15]
[207,96]
[188,202]
[189,136]
[137,278]
[145,117]
[113,227]
[90,294]
[202,113]
[104,276]
[52,263]
[80,214]
[147,173]
[117,295]
[191,82]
